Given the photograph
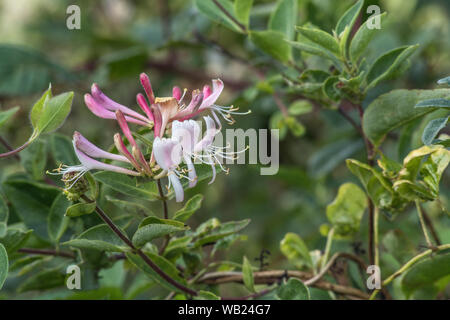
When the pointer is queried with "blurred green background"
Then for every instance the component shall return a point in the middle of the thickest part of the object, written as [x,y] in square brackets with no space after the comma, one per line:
[177,45]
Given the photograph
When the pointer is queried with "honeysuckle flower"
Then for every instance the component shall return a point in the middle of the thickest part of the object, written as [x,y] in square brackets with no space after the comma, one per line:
[173,108]
[86,152]
[136,151]
[187,133]
[168,155]
[104,107]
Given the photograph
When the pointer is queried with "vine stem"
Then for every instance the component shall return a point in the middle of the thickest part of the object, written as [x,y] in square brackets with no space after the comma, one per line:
[408,265]
[327,249]
[144,257]
[48,252]
[166,215]
[376,216]
[15,151]
[423,225]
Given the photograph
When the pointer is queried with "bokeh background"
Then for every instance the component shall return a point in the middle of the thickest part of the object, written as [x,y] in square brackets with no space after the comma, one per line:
[177,45]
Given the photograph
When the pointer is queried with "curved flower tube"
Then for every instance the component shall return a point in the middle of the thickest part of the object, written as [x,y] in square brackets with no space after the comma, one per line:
[85,152]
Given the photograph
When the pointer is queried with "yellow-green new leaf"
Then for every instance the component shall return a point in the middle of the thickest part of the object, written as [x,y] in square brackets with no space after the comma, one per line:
[54,112]
[347,209]
[247,275]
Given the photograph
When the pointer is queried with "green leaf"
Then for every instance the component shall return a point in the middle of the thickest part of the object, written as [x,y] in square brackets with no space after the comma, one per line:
[294,248]
[80,209]
[206,295]
[242,10]
[221,231]
[3,265]
[62,150]
[191,206]
[433,168]
[347,209]
[432,129]
[378,188]
[362,38]
[163,264]
[272,43]
[32,202]
[300,107]
[394,109]
[295,126]
[7,114]
[38,106]
[247,275]
[54,112]
[100,237]
[321,38]
[15,239]
[293,289]
[387,64]
[284,18]
[349,17]
[434,103]
[306,45]
[126,185]
[330,90]
[213,12]
[57,222]
[152,228]
[427,272]
[34,159]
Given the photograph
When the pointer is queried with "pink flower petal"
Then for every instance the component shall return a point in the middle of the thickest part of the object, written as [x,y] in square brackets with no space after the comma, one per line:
[176,93]
[111,105]
[144,106]
[145,81]
[92,150]
[101,112]
[212,97]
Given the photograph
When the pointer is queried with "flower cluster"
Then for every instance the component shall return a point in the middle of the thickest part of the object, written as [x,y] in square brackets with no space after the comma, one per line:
[160,114]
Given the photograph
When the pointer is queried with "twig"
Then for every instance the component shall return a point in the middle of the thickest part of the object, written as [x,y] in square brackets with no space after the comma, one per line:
[8,147]
[15,151]
[423,225]
[144,257]
[408,265]
[48,252]
[430,225]
[273,276]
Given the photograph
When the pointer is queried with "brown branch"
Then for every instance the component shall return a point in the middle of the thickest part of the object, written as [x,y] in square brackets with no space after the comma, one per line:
[430,226]
[274,276]
[166,215]
[8,147]
[48,252]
